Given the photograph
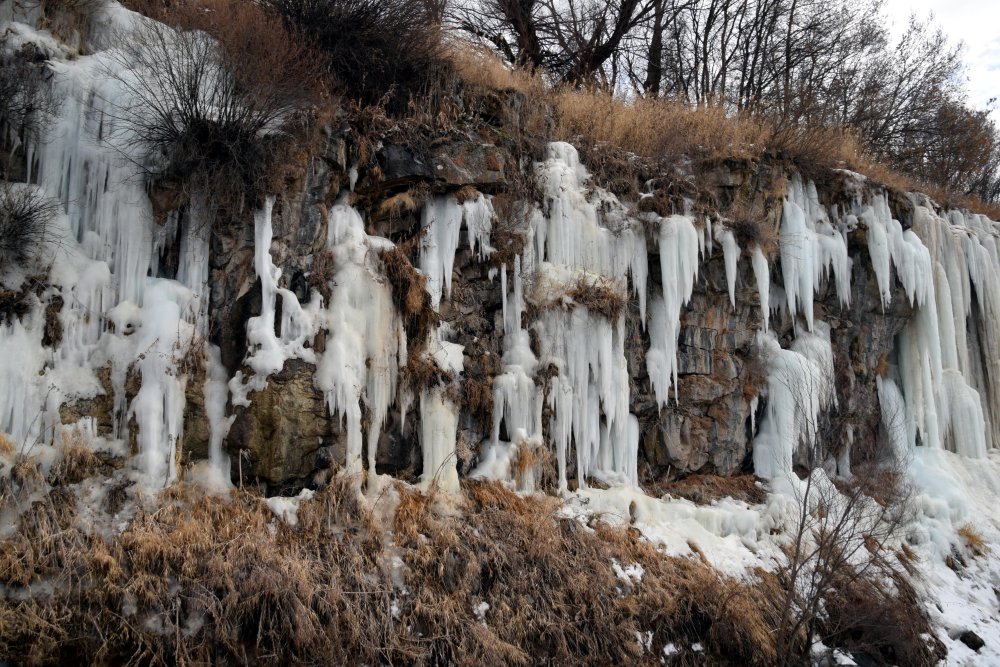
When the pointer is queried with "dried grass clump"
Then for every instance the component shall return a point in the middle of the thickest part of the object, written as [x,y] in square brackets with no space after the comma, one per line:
[747,217]
[509,233]
[6,444]
[477,399]
[704,489]
[79,462]
[398,206]
[973,540]
[882,619]
[410,296]
[69,19]
[422,372]
[599,295]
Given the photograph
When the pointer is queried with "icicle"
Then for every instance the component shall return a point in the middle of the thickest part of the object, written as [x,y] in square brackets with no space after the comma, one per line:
[762,272]
[731,253]
[442,220]
[678,241]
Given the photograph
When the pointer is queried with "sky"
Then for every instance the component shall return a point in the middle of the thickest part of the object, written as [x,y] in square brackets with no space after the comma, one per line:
[974,22]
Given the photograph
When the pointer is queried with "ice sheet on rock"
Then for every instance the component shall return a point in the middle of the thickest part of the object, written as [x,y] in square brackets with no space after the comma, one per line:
[442,219]
[267,350]
[585,227]
[438,432]
[799,387]
[164,338]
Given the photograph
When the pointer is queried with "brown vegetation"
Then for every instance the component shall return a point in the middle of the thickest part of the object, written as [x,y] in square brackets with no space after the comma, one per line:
[704,489]
[204,579]
[410,296]
[670,132]
[974,542]
[599,295]
[379,52]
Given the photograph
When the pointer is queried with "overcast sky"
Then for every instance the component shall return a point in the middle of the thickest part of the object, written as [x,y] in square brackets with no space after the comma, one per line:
[974,22]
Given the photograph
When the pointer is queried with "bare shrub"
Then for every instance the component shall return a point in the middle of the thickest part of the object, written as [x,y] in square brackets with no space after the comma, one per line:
[219,96]
[841,582]
[379,51]
[25,219]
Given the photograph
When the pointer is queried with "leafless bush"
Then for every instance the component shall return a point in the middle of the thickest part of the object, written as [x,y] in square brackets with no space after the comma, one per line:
[218,97]
[380,51]
[25,218]
[842,583]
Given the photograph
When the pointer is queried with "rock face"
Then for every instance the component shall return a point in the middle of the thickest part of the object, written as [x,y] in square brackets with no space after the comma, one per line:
[281,435]
[286,435]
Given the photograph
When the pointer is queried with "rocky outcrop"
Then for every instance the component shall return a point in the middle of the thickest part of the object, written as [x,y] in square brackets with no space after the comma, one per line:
[286,434]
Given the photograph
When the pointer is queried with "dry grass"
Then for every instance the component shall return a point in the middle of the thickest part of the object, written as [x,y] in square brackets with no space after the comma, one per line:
[656,128]
[198,579]
[78,462]
[477,399]
[882,619]
[422,372]
[69,19]
[599,295]
[6,445]
[671,132]
[747,217]
[410,297]
[704,489]
[973,540]
[397,206]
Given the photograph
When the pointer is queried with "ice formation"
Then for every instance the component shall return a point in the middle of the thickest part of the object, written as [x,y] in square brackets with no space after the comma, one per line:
[799,388]
[365,341]
[811,250]
[679,252]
